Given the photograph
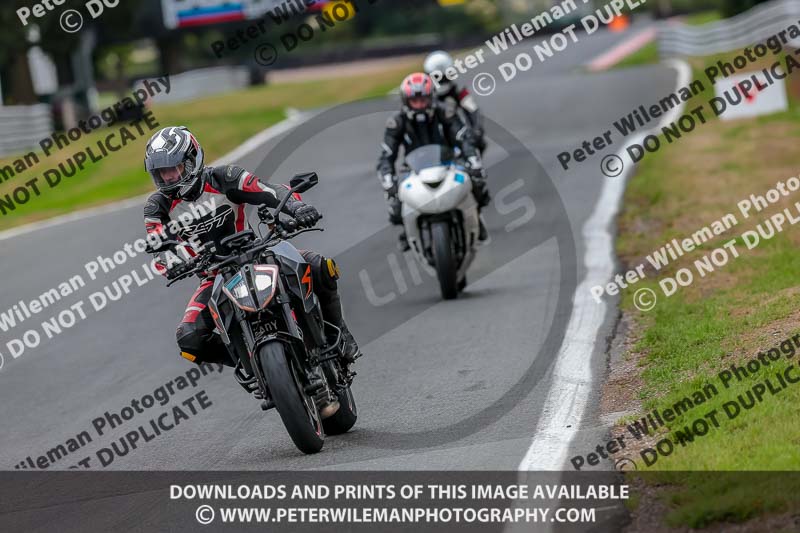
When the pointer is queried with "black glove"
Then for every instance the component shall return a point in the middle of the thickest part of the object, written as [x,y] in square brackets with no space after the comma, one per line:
[265,215]
[475,168]
[287,226]
[389,183]
[305,215]
[178,270]
[477,174]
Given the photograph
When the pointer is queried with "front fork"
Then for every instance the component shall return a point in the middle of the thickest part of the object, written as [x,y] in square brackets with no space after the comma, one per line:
[313,382]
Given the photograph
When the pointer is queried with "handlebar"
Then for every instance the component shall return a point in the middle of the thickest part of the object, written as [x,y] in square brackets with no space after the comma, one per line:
[204,261]
[281,230]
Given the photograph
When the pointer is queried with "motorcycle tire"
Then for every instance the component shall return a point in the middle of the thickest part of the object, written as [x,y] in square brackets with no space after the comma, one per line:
[444,261]
[298,412]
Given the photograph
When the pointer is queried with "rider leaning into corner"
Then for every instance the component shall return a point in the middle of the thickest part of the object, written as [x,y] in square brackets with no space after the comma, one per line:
[449,94]
[174,159]
[423,121]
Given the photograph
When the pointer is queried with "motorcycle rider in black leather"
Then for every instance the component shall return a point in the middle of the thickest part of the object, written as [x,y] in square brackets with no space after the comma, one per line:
[422,122]
[186,189]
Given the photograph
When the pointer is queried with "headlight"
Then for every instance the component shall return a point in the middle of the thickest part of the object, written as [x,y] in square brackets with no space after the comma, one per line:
[265,278]
[263,282]
[236,289]
[252,294]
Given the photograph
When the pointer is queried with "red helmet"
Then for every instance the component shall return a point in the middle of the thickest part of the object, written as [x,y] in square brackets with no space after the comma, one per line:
[417,92]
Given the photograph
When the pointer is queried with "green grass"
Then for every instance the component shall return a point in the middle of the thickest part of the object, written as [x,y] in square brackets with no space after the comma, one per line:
[688,342]
[747,306]
[704,17]
[220,122]
[737,497]
[647,55]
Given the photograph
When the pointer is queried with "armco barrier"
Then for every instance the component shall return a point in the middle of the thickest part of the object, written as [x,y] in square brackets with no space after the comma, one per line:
[759,23]
[21,127]
[202,82]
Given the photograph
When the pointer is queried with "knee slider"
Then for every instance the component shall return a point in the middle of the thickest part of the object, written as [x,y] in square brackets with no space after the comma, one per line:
[329,274]
[192,343]
[325,273]
[189,341]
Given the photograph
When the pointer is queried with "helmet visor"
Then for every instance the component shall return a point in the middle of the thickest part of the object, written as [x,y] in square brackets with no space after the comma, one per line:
[168,170]
[171,176]
[419,103]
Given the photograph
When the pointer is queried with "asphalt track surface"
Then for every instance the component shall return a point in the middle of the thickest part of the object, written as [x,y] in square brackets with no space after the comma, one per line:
[438,388]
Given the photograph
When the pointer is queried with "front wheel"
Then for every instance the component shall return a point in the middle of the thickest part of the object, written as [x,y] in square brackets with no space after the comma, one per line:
[444,261]
[298,412]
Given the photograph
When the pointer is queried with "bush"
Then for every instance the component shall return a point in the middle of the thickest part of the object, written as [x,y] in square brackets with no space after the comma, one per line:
[682,7]
[734,7]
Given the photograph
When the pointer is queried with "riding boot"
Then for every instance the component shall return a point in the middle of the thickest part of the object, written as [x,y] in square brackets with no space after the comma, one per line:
[332,312]
[402,242]
[483,233]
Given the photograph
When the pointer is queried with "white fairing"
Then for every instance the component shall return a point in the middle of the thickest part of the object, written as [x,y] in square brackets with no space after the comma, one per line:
[420,195]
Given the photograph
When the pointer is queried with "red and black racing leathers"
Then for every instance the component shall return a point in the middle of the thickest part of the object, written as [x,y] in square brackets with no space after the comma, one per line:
[217,212]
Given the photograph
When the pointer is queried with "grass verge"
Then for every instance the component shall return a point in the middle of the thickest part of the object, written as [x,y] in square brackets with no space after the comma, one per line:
[646,55]
[220,122]
[745,306]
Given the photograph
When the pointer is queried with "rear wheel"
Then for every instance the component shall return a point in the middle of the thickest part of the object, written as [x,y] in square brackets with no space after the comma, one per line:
[298,412]
[345,418]
[444,260]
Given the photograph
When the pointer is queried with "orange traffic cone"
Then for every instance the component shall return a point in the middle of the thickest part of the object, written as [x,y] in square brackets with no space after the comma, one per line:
[619,24]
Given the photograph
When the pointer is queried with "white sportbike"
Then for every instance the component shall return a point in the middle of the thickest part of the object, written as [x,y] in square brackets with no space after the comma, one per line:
[440,216]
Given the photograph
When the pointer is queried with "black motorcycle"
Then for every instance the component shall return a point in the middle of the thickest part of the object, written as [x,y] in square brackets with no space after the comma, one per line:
[271,323]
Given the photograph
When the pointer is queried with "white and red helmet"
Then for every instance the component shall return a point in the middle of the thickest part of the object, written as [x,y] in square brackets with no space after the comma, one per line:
[417,93]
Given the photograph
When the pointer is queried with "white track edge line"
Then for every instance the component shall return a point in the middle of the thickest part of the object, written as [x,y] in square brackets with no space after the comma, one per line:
[572,376]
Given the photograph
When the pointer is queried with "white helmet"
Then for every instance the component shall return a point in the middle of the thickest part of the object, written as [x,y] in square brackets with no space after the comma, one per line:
[439,61]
